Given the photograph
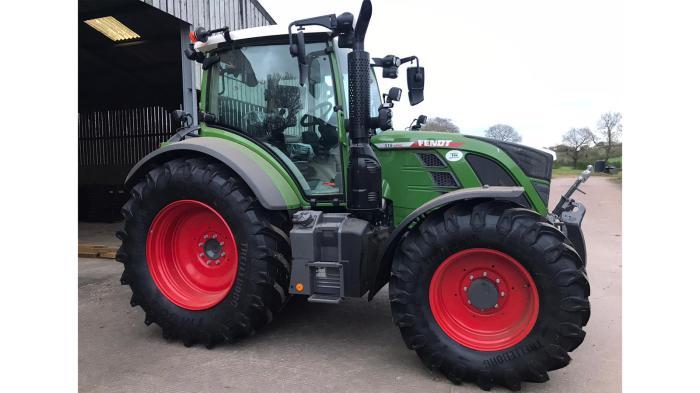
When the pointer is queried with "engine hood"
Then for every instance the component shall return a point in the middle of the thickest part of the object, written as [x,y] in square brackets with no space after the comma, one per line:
[534,162]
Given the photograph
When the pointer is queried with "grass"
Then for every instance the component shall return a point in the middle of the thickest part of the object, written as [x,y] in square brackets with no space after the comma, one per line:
[617,178]
[567,171]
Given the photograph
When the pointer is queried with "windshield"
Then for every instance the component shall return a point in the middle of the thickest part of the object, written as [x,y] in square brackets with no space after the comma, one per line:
[255,90]
[375,99]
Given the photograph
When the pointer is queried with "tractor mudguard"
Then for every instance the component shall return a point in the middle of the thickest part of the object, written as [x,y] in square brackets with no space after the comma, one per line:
[386,256]
[268,185]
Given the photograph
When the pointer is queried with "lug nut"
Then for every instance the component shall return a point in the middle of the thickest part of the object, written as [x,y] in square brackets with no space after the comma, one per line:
[471,276]
[214,236]
[465,289]
[208,261]
[223,254]
[503,293]
[218,262]
[469,301]
[201,244]
[221,244]
[498,281]
[496,306]
[206,236]
[485,274]
[201,254]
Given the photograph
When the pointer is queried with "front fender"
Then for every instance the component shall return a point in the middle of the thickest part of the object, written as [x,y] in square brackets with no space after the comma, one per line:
[268,185]
[387,254]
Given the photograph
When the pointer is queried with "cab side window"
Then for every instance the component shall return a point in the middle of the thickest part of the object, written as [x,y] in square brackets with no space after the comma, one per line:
[256,90]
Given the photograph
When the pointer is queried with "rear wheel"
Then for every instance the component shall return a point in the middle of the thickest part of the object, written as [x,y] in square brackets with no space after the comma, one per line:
[489,293]
[203,258]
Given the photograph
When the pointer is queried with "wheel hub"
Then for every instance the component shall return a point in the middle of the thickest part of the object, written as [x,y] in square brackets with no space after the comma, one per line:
[212,249]
[483,294]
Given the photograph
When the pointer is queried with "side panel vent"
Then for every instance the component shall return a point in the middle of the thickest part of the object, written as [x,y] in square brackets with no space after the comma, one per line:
[491,173]
[444,179]
[431,160]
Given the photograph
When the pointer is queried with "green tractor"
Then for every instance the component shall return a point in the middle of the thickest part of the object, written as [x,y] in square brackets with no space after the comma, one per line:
[293,184]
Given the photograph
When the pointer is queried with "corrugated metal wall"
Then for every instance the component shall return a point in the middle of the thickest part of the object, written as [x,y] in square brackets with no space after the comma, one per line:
[236,14]
[212,14]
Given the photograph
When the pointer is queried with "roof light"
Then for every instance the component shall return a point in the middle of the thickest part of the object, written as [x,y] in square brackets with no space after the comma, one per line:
[112,28]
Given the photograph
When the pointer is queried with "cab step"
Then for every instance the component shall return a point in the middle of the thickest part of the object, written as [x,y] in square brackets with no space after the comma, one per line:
[321,298]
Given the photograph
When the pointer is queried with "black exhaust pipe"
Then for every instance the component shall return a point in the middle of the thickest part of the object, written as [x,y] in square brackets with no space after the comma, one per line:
[364,170]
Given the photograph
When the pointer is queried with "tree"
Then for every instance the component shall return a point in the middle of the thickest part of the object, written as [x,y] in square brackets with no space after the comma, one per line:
[610,128]
[577,139]
[440,124]
[503,132]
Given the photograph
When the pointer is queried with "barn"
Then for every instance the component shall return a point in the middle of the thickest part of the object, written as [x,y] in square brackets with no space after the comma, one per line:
[131,75]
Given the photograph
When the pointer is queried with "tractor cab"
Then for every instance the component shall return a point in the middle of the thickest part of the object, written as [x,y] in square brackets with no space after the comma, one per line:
[252,86]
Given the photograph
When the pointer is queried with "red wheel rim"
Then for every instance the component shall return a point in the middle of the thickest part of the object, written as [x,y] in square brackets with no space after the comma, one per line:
[455,292]
[192,254]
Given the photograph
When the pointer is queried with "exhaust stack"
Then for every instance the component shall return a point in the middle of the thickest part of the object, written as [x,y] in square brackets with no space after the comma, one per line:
[364,170]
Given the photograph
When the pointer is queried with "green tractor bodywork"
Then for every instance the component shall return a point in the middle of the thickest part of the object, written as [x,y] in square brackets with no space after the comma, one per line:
[402,169]
[417,166]
[413,183]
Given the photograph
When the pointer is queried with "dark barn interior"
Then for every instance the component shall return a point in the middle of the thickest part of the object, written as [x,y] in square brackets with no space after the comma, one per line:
[127,88]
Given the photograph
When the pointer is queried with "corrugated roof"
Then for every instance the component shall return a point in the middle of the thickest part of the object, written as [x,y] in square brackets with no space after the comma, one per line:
[212,14]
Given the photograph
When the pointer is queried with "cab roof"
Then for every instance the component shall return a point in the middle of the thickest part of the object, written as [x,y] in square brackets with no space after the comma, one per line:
[251,34]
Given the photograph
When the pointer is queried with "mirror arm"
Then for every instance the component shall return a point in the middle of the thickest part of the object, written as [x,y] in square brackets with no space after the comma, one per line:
[298,49]
[411,58]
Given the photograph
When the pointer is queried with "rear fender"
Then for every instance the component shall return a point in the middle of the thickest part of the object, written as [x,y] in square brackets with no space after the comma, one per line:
[268,185]
[387,255]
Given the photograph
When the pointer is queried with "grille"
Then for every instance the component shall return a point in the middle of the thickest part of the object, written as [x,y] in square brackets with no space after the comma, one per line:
[543,191]
[444,179]
[431,160]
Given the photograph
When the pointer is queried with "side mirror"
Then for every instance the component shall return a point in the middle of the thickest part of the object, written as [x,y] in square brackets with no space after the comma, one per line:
[417,123]
[416,81]
[299,50]
[315,72]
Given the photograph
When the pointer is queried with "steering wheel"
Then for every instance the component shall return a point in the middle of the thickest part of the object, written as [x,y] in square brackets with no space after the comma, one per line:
[327,107]
[309,120]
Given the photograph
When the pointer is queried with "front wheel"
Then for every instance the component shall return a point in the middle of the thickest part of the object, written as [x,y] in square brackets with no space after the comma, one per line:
[489,293]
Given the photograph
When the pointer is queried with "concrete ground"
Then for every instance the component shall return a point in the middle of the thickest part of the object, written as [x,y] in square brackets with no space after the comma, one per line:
[351,347]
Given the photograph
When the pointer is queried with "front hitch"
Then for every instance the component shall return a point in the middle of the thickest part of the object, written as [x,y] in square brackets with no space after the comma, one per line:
[568,215]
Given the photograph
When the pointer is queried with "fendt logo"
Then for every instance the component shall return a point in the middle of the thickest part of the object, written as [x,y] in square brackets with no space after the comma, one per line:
[433,143]
[419,144]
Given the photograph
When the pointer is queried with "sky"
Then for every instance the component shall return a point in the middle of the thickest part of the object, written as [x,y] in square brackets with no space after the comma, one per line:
[542,67]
